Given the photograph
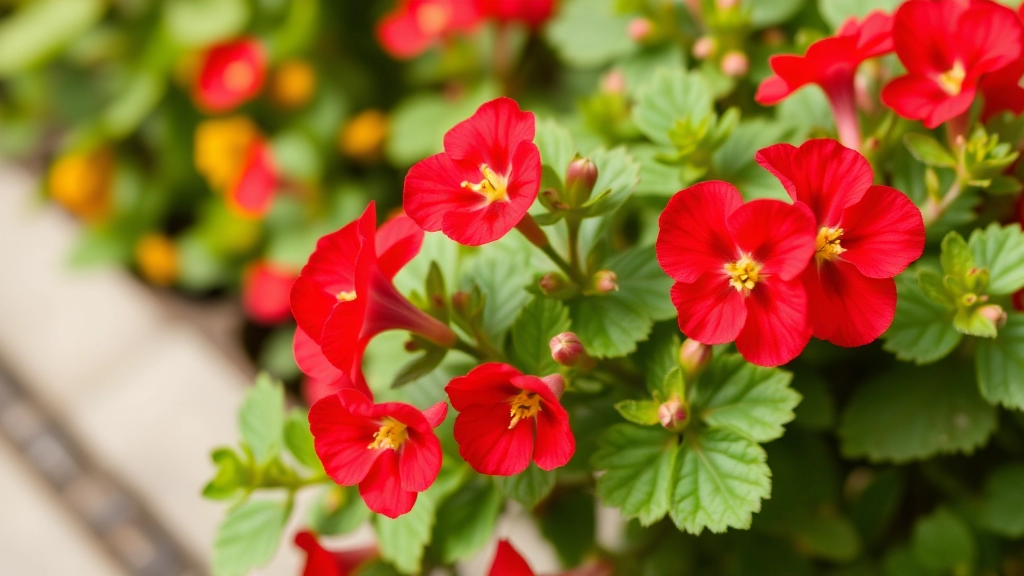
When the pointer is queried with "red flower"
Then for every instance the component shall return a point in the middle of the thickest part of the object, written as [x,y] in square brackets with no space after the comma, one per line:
[532,12]
[831,63]
[265,290]
[415,25]
[866,236]
[344,295]
[322,377]
[323,562]
[947,47]
[507,419]
[484,182]
[230,74]
[388,449]
[1002,88]
[508,562]
[253,192]
[736,268]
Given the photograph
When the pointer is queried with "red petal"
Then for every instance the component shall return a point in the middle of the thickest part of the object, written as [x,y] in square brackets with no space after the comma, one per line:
[554,445]
[319,561]
[433,188]
[883,233]
[774,89]
[266,289]
[341,440]
[693,237]
[988,37]
[436,414]
[398,241]
[382,489]
[311,359]
[823,174]
[490,135]
[419,461]
[924,33]
[778,235]
[254,191]
[508,562]
[777,328]
[710,310]
[920,98]
[486,442]
[401,36]
[217,88]
[342,332]
[874,33]
[847,308]
[485,385]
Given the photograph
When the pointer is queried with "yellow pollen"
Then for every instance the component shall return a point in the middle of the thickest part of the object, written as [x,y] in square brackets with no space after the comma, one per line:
[432,19]
[828,246]
[743,274]
[526,404]
[391,435]
[239,75]
[952,80]
[493,186]
[346,296]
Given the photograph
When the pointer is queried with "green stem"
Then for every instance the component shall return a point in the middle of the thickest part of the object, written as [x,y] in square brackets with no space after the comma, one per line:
[934,210]
[573,273]
[573,225]
[468,348]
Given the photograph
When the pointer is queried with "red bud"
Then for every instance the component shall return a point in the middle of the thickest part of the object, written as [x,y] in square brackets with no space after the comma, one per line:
[606,281]
[672,415]
[694,357]
[567,349]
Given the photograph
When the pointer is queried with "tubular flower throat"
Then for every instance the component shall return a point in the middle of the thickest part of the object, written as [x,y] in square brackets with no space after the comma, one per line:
[743,274]
[494,187]
[391,435]
[952,80]
[827,246]
[525,405]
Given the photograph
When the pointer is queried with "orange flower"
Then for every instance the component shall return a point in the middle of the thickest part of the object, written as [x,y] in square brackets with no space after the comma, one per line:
[157,257]
[362,138]
[293,84]
[82,183]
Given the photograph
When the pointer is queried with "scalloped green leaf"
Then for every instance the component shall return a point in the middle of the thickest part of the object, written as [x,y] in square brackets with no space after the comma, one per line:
[1002,508]
[999,363]
[638,464]
[617,177]
[922,330]
[671,96]
[249,536]
[261,418]
[1000,250]
[537,323]
[555,144]
[528,487]
[589,33]
[752,401]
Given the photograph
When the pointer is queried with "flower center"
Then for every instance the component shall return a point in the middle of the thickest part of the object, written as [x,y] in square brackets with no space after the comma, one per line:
[239,76]
[743,274]
[346,296]
[526,404]
[952,80]
[828,246]
[494,186]
[391,435]
[432,19]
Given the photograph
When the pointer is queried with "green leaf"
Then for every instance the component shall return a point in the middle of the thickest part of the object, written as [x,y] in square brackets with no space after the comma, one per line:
[261,418]
[915,413]
[660,357]
[339,510]
[1002,509]
[956,256]
[669,97]
[528,487]
[656,177]
[642,282]
[204,22]
[999,364]
[922,330]
[928,150]
[831,537]
[721,479]
[1000,250]
[569,523]
[232,475]
[555,144]
[942,541]
[134,103]
[752,401]
[933,287]
[502,272]
[836,12]
[638,464]
[971,322]
[419,122]
[39,29]
[638,67]
[538,322]
[765,14]
[299,440]
[588,33]
[249,536]
[642,412]
[617,177]
[421,366]
[466,520]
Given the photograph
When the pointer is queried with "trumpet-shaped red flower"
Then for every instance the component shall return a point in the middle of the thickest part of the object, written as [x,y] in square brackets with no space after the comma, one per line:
[532,12]
[484,182]
[344,295]
[253,192]
[416,25]
[737,270]
[322,377]
[947,47]
[265,290]
[831,63]
[230,74]
[388,449]
[323,562]
[866,235]
[507,419]
[1002,89]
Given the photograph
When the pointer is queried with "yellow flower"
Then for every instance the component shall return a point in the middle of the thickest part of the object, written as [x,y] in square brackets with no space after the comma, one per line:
[157,257]
[363,136]
[293,84]
[82,182]
[221,148]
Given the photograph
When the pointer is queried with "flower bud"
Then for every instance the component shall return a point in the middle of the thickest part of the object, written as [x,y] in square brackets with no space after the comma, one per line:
[639,29]
[705,47]
[460,302]
[993,313]
[606,281]
[411,345]
[726,4]
[694,357]
[567,349]
[735,64]
[672,415]
[555,383]
[551,283]
[614,82]
[773,37]
[579,181]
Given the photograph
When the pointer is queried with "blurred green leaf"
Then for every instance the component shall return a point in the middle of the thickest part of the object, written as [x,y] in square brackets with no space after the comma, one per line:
[555,144]
[528,487]
[836,12]
[568,522]
[232,475]
[39,29]
[142,94]
[765,14]
[1002,508]
[249,536]
[670,97]
[942,541]
[1000,364]
[588,33]
[261,418]
[338,510]
[642,412]
[638,470]
[466,520]
[299,440]
[750,400]
[928,150]
[617,177]
[204,22]
[538,322]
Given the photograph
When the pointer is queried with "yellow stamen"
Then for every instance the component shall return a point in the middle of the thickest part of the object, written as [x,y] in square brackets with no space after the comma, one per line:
[828,246]
[952,80]
[239,75]
[346,296]
[391,435]
[743,274]
[526,404]
[493,186]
